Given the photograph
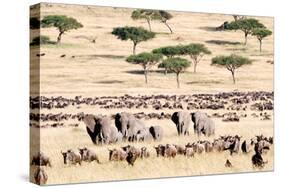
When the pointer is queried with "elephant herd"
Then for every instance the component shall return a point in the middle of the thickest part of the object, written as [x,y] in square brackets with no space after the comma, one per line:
[129,128]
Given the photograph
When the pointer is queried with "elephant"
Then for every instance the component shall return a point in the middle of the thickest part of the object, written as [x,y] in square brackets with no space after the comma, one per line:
[100,130]
[203,124]
[156,132]
[182,120]
[128,125]
[144,135]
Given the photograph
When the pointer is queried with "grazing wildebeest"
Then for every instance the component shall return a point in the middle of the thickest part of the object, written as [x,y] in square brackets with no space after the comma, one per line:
[182,120]
[88,155]
[131,158]
[180,149]
[160,150]
[144,153]
[203,124]
[41,160]
[133,149]
[40,176]
[228,163]
[245,147]
[170,151]
[117,155]
[189,151]
[156,132]
[71,157]
[257,160]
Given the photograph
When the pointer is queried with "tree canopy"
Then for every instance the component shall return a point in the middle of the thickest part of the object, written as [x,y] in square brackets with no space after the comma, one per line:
[169,51]
[135,34]
[176,65]
[62,23]
[146,60]
[246,25]
[261,33]
[231,63]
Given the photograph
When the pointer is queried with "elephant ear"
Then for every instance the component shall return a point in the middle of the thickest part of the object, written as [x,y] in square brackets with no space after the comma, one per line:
[90,122]
[175,117]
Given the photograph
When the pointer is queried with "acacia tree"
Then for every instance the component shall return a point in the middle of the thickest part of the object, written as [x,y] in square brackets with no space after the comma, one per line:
[196,52]
[62,23]
[168,51]
[176,65]
[146,60]
[245,25]
[164,16]
[150,15]
[145,14]
[261,33]
[231,63]
[135,34]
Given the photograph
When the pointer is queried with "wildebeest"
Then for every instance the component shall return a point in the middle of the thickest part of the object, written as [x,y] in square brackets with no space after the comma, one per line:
[133,149]
[88,155]
[40,176]
[180,149]
[170,151]
[117,155]
[189,151]
[41,160]
[71,157]
[245,147]
[257,160]
[228,163]
[144,153]
[202,124]
[131,157]
[182,120]
[160,150]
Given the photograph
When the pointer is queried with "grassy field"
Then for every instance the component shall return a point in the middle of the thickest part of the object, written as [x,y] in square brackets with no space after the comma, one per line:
[100,69]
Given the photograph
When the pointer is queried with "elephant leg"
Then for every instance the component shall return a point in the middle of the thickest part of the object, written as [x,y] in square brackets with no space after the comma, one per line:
[178,128]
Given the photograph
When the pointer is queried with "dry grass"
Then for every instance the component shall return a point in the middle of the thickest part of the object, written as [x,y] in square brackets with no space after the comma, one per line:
[99,69]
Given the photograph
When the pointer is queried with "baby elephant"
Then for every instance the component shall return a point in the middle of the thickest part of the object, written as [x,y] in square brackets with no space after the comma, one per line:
[41,160]
[88,155]
[156,132]
[40,176]
[71,157]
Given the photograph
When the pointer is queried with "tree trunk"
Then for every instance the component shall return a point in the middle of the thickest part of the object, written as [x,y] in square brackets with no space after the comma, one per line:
[166,71]
[233,77]
[178,82]
[145,75]
[195,65]
[149,25]
[168,27]
[260,45]
[134,48]
[59,37]
[246,37]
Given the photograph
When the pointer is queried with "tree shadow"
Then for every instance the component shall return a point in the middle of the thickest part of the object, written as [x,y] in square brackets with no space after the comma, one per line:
[223,42]
[142,72]
[110,82]
[208,28]
[204,82]
[109,56]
